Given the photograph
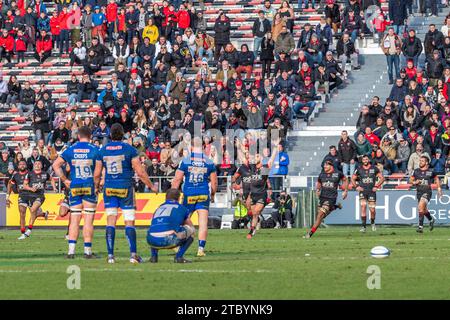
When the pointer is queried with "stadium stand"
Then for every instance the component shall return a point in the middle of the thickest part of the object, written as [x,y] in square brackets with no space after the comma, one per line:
[55,73]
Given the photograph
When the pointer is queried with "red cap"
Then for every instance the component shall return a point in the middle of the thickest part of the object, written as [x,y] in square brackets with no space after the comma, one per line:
[220,83]
[308,78]
[124,110]
[134,71]
[111,110]
[100,113]
[330,1]
[238,83]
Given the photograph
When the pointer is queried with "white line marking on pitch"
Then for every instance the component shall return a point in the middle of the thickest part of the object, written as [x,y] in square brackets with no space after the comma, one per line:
[150,270]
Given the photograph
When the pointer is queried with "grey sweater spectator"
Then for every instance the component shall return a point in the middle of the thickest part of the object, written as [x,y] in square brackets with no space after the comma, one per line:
[285,42]
[254,117]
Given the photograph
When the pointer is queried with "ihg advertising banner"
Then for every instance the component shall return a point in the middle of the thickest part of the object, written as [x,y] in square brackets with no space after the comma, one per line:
[393,207]
[146,204]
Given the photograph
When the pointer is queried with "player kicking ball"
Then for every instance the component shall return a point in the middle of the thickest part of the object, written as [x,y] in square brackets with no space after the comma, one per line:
[422,178]
[197,170]
[364,180]
[171,228]
[81,158]
[327,191]
[120,161]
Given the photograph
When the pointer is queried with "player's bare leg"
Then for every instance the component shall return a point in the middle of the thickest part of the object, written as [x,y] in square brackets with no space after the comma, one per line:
[74,229]
[322,213]
[423,212]
[363,207]
[33,216]
[202,231]
[23,213]
[64,211]
[372,206]
[256,211]
[88,228]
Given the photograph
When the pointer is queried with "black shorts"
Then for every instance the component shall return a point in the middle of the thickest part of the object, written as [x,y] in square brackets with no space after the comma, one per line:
[29,200]
[330,203]
[424,195]
[258,198]
[368,195]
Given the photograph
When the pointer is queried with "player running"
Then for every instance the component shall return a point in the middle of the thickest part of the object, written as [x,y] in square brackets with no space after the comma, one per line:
[34,183]
[81,158]
[171,227]
[327,191]
[422,178]
[120,160]
[197,169]
[260,191]
[244,173]
[24,201]
[365,181]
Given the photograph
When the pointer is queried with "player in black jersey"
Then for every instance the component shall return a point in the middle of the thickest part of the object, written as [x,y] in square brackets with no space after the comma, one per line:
[365,181]
[260,191]
[244,175]
[422,178]
[327,191]
[34,183]
[24,201]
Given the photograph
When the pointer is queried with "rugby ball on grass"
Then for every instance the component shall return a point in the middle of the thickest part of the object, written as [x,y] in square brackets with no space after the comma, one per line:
[380,252]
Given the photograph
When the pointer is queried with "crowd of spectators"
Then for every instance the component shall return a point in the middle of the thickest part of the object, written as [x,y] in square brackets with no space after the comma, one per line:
[153,48]
[413,121]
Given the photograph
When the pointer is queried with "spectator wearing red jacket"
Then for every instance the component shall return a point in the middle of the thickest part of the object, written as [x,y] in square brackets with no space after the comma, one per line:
[55,29]
[21,46]
[6,46]
[171,22]
[64,36]
[121,24]
[184,19]
[111,17]
[43,47]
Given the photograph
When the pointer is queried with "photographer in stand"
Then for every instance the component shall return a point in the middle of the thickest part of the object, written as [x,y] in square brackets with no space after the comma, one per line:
[283,211]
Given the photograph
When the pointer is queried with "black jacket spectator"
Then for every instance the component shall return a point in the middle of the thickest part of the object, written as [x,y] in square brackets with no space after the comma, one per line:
[333,13]
[435,67]
[397,12]
[41,118]
[340,47]
[246,58]
[222,31]
[346,150]
[27,96]
[256,28]
[412,46]
[72,87]
[63,134]
[267,48]
[433,41]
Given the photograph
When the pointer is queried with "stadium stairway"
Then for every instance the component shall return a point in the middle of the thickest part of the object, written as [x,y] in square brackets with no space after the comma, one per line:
[308,145]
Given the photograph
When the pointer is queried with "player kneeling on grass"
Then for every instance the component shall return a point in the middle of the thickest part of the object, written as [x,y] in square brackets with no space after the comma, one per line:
[364,180]
[327,191]
[171,227]
[422,178]
[82,197]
